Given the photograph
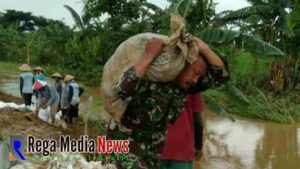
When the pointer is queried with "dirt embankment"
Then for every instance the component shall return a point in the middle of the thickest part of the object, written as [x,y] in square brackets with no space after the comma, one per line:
[8,98]
[26,123]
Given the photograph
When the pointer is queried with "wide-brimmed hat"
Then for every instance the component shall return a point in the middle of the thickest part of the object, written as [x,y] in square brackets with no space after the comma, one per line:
[68,78]
[38,68]
[38,84]
[25,68]
[56,75]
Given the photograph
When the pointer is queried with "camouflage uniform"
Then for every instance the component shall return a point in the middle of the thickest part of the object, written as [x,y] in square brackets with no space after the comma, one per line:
[151,106]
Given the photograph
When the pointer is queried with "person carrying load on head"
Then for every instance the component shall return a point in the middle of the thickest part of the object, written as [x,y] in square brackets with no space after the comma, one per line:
[152,90]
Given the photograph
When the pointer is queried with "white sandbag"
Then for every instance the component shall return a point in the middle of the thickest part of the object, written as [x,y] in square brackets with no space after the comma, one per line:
[44,114]
[11,105]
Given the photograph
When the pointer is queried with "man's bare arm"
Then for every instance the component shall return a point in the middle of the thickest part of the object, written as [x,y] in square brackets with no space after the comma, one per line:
[209,55]
[153,48]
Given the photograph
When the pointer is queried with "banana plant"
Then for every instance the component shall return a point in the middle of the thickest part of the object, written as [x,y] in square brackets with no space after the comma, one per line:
[78,20]
[218,38]
[275,21]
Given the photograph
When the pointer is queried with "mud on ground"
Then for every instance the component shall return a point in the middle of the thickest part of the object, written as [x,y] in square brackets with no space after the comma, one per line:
[26,123]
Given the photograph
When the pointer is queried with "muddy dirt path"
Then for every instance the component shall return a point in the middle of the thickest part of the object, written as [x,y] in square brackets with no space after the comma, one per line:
[26,123]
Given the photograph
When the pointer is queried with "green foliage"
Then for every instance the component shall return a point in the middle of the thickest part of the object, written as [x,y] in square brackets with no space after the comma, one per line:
[119,12]
[216,107]
[10,41]
[244,41]
[248,71]
[281,109]
[25,21]
[274,21]
[235,92]
[9,66]
[75,16]
[83,52]
[198,14]
[89,75]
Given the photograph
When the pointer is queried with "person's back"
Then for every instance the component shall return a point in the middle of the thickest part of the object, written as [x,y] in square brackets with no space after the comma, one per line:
[53,94]
[64,96]
[49,92]
[28,80]
[64,103]
[73,98]
[74,88]
[26,83]
[58,87]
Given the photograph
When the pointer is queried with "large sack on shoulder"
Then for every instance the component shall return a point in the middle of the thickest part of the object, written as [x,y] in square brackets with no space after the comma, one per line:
[178,49]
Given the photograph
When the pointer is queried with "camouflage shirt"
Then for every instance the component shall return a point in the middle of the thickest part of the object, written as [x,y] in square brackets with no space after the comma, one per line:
[151,106]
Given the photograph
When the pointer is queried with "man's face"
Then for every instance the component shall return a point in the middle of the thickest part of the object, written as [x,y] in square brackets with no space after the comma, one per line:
[191,73]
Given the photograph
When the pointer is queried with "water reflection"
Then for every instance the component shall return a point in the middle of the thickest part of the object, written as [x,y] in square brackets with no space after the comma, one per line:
[9,83]
[250,144]
[278,148]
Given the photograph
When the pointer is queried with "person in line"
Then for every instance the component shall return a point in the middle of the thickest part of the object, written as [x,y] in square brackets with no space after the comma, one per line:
[26,82]
[64,101]
[58,86]
[39,73]
[48,92]
[73,98]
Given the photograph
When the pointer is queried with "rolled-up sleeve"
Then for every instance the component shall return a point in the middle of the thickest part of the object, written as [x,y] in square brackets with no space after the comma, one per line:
[127,85]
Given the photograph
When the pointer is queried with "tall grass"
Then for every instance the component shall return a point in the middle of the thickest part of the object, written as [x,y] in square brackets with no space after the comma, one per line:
[283,109]
[9,66]
[246,71]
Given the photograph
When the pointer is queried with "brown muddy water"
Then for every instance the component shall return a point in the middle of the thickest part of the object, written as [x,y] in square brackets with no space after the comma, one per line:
[244,144]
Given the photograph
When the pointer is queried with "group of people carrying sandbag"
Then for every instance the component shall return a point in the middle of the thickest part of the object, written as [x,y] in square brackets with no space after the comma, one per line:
[151,87]
[62,95]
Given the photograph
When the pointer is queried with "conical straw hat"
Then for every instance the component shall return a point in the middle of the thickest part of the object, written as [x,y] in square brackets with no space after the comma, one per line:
[25,68]
[38,68]
[56,75]
[68,78]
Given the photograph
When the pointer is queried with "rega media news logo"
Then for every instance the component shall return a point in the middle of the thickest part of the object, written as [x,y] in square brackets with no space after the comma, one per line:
[20,145]
[17,147]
